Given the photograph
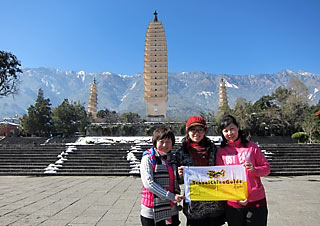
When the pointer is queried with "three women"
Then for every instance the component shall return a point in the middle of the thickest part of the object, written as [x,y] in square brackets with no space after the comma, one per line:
[198,150]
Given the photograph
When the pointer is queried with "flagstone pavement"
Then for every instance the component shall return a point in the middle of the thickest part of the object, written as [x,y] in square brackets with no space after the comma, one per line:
[115,201]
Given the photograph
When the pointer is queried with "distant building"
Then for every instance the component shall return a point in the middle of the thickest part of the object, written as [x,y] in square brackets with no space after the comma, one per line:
[155,71]
[9,129]
[93,101]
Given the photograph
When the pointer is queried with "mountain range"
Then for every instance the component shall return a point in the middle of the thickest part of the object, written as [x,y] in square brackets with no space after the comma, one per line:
[189,92]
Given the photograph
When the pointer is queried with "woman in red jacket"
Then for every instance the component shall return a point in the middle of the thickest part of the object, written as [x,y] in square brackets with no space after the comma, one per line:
[237,150]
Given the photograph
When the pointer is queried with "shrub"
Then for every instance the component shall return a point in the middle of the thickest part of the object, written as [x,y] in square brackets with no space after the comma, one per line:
[301,137]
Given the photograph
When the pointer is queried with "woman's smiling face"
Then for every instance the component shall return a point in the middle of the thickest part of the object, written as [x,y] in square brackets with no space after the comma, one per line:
[196,133]
[231,132]
[164,145]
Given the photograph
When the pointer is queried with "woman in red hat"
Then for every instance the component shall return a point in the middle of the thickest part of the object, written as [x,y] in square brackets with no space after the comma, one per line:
[198,150]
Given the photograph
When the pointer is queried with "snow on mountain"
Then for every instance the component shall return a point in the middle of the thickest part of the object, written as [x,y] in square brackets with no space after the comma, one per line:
[231,85]
[205,94]
[313,95]
[190,93]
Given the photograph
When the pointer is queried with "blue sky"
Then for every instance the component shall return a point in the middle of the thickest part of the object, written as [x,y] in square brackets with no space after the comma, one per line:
[237,37]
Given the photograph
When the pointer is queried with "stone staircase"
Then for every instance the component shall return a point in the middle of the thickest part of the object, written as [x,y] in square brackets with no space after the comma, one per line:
[26,160]
[123,159]
[96,160]
[293,159]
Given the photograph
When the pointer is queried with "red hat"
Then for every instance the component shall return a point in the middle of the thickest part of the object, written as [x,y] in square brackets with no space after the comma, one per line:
[196,121]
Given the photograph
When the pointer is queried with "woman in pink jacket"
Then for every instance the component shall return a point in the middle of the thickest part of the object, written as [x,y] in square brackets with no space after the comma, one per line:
[237,150]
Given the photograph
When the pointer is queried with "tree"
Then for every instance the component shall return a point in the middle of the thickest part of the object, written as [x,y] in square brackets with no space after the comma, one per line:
[9,73]
[38,121]
[310,125]
[69,118]
[224,110]
[281,95]
[293,114]
[298,89]
[241,112]
[108,116]
[209,117]
[130,118]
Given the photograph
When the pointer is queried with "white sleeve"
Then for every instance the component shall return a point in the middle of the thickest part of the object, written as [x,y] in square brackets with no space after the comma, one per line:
[146,172]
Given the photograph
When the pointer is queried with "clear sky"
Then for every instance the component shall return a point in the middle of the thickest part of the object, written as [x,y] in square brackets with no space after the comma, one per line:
[237,37]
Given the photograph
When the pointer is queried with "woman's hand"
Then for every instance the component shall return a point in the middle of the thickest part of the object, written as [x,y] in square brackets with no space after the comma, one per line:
[243,202]
[249,166]
[180,170]
[179,198]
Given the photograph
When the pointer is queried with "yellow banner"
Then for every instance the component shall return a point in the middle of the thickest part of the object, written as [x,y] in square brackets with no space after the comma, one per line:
[214,183]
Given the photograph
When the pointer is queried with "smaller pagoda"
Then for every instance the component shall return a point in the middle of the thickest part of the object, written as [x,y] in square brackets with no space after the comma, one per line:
[93,101]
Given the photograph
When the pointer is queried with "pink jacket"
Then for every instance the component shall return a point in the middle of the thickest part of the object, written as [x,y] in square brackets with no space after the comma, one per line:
[235,154]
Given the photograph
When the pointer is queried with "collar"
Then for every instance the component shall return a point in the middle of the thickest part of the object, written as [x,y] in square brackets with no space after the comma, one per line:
[156,153]
[236,143]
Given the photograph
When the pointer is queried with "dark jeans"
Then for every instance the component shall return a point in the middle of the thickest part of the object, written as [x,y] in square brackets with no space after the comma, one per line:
[251,216]
[150,222]
[209,221]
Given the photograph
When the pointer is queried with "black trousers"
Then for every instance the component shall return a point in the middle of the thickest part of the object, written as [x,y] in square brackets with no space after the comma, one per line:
[251,216]
[150,222]
[209,221]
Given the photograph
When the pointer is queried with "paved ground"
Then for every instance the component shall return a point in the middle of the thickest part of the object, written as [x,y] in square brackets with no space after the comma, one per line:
[95,201]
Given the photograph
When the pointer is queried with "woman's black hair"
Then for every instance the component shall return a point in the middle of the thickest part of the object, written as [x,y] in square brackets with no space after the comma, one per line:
[226,121]
[161,133]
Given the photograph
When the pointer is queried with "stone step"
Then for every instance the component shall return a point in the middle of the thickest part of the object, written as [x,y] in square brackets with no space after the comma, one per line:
[86,173]
[307,166]
[22,173]
[296,160]
[291,151]
[30,152]
[93,168]
[317,156]
[301,168]
[93,172]
[294,153]
[97,158]
[26,157]
[90,155]
[88,164]
[23,170]
[29,166]
[294,173]
[25,161]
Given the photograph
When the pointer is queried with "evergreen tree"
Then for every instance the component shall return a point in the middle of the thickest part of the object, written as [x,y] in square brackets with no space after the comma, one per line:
[38,121]
[70,118]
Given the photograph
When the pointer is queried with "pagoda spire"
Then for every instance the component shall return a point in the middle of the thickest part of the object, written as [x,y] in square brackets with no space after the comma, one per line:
[155,19]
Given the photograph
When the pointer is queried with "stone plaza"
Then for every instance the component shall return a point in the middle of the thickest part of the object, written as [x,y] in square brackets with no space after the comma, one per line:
[115,200]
